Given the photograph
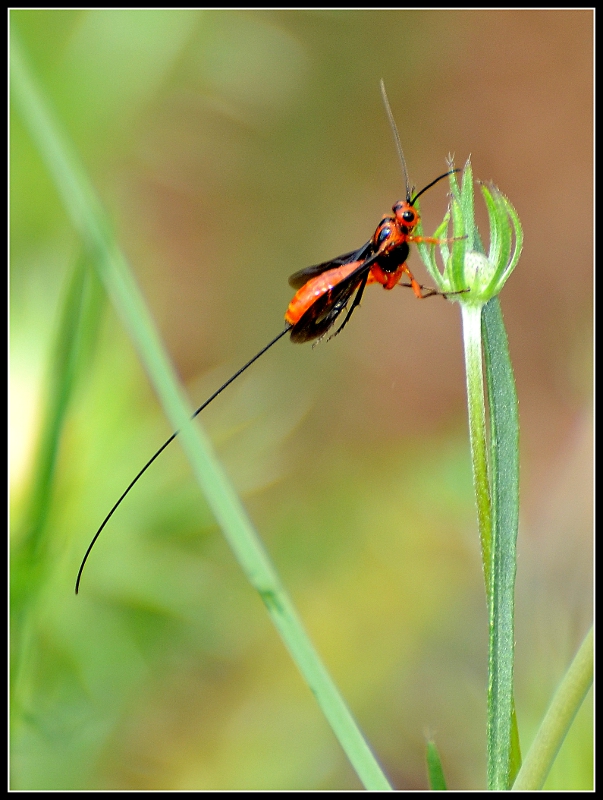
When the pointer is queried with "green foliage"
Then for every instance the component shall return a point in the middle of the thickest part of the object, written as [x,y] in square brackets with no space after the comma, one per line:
[164,673]
[435,772]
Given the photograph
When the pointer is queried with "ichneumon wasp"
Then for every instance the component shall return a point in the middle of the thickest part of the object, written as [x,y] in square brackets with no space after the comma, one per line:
[325,290]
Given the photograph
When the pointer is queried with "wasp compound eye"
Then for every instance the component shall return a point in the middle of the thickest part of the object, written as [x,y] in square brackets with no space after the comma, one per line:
[406,214]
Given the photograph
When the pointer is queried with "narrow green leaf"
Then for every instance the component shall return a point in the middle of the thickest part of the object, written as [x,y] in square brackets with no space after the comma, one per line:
[505,269]
[427,252]
[558,719]
[77,330]
[506,236]
[30,564]
[504,459]
[467,201]
[459,248]
[435,772]
[515,757]
[441,233]
[495,226]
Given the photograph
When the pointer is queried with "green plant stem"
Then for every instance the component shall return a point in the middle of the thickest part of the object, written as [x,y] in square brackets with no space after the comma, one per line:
[472,341]
[558,719]
[90,221]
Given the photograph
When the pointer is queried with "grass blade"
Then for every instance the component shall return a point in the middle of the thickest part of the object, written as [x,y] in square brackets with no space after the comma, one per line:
[91,223]
[558,719]
[435,772]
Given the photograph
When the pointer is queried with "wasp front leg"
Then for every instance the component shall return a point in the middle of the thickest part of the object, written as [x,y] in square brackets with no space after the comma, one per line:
[432,240]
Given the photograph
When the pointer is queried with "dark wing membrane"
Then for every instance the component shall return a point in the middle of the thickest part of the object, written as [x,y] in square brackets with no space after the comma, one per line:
[321,315]
[299,279]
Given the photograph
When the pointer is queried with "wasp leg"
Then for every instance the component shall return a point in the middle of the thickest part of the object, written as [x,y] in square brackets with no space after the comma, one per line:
[354,305]
[431,240]
[431,292]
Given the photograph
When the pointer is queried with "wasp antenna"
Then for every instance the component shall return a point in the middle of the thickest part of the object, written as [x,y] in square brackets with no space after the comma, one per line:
[429,185]
[165,444]
[392,122]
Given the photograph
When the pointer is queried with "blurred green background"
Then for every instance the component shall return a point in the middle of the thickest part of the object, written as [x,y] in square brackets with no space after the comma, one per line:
[232,148]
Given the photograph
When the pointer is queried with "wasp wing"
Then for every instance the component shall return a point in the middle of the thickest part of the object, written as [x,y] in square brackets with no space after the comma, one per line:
[323,312]
[299,279]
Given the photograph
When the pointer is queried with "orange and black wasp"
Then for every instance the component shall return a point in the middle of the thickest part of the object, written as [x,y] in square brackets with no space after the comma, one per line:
[324,291]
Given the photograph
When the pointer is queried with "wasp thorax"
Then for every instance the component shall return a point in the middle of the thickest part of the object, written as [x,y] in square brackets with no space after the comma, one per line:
[382,234]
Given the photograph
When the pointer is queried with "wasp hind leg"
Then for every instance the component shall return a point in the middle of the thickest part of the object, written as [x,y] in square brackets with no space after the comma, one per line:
[421,292]
[429,291]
